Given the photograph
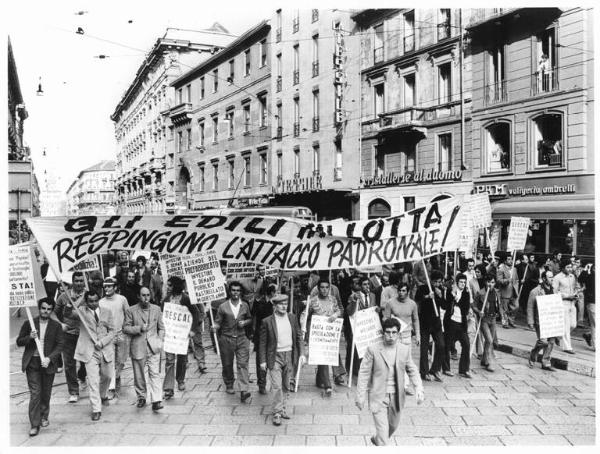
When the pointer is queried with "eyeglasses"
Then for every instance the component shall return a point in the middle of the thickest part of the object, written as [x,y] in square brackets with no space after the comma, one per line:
[390,333]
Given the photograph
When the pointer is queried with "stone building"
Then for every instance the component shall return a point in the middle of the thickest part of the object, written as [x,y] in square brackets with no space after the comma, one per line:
[92,192]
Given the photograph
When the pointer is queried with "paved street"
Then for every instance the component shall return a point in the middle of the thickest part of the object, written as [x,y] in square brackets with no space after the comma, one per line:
[513,406]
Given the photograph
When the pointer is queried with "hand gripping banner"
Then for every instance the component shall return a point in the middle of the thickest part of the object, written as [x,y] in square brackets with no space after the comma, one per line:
[284,243]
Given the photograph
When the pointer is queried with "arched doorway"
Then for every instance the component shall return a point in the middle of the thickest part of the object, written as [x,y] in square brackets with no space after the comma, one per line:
[379,208]
[183,190]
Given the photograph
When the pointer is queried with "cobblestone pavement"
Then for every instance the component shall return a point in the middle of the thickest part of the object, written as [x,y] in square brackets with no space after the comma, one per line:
[514,405]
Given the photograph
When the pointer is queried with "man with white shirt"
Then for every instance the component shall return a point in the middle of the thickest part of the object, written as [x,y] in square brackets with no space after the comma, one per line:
[565,284]
[118,307]
[230,325]
[457,305]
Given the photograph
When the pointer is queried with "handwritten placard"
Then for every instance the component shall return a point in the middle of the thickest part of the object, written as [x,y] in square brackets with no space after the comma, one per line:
[324,341]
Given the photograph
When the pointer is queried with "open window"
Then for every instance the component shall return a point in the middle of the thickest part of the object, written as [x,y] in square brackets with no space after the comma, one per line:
[548,140]
[497,147]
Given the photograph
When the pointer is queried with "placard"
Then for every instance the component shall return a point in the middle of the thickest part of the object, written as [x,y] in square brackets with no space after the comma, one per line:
[205,281]
[24,279]
[366,330]
[90,263]
[178,321]
[324,341]
[465,239]
[517,234]
[171,265]
[481,210]
[551,314]
[237,271]
[494,238]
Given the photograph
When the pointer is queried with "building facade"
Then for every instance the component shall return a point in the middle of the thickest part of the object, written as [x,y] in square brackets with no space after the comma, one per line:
[23,190]
[92,192]
[140,130]
[315,110]
[415,109]
[219,144]
[533,120]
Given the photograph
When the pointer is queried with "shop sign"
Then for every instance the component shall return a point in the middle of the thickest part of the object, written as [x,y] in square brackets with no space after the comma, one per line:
[314,183]
[252,202]
[493,190]
[542,190]
[420,176]
[339,74]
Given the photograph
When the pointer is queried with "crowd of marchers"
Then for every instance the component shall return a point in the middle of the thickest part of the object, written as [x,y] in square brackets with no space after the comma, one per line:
[93,326]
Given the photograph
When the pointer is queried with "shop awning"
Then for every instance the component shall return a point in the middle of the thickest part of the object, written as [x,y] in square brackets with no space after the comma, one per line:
[546,207]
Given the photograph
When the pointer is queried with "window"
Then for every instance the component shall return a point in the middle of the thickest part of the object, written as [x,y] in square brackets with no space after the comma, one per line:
[201,133]
[246,109]
[278,29]
[231,77]
[247,172]
[296,64]
[263,168]
[179,141]
[379,160]
[247,62]
[278,68]
[179,95]
[297,162]
[262,100]
[279,165]
[409,87]
[337,174]
[409,31]
[314,15]
[296,21]
[201,178]
[316,160]
[279,121]
[443,28]
[215,75]
[379,208]
[263,53]
[378,44]
[189,138]
[229,120]
[546,75]
[496,76]
[548,140]
[231,177]
[188,93]
[445,83]
[296,117]
[379,105]
[444,152]
[202,87]
[315,119]
[497,146]
[409,203]
[315,52]
[215,122]
[215,167]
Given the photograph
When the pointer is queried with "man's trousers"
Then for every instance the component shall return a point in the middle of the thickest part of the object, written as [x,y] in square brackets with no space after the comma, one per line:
[175,368]
[439,353]
[152,364]
[238,348]
[280,380]
[387,419]
[99,374]
[70,364]
[455,332]
[40,390]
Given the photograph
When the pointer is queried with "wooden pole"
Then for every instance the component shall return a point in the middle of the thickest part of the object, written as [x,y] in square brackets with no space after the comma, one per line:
[480,320]
[446,265]
[298,374]
[455,264]
[38,343]
[352,354]
[212,323]
[430,288]
[291,286]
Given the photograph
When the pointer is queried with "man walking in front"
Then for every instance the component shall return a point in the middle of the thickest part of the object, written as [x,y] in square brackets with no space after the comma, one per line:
[280,347]
[40,371]
[144,323]
[382,375]
[507,280]
[486,305]
[564,284]
[95,349]
[533,320]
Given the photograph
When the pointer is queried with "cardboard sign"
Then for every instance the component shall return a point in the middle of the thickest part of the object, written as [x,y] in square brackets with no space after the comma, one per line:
[205,281]
[517,234]
[481,210]
[366,330]
[551,315]
[171,265]
[237,271]
[465,239]
[25,285]
[178,321]
[90,263]
[324,341]
[494,238]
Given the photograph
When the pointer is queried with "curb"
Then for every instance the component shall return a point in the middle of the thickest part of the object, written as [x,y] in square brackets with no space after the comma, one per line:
[581,369]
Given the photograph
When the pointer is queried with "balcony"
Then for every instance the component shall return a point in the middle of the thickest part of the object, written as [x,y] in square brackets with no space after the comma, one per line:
[316,173]
[296,129]
[315,68]
[378,55]
[278,35]
[409,43]
[496,93]
[401,117]
[295,25]
[315,124]
[296,175]
[296,77]
[181,112]
[279,133]
[443,31]
[544,81]
[278,84]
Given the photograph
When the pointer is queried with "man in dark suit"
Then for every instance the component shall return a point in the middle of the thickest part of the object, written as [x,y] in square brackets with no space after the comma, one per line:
[232,319]
[382,376]
[40,371]
[142,272]
[360,299]
[457,304]
[156,283]
[280,347]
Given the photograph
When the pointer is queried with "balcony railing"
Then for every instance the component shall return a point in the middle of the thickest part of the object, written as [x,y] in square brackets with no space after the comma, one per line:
[295,25]
[278,35]
[316,173]
[315,123]
[409,43]
[410,116]
[279,133]
[296,175]
[315,68]
[545,81]
[443,31]
[401,117]
[378,55]
[496,92]
[296,129]
[296,77]
[278,83]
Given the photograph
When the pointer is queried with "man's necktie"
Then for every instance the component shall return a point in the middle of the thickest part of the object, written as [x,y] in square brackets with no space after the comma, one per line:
[96,317]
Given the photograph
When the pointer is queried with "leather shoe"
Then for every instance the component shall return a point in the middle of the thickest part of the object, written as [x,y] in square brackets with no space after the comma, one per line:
[105,401]
[34,431]
[262,390]
[489,368]
[229,391]
[45,422]
[284,415]
[530,363]
[374,440]
[168,394]
[245,397]
[157,406]
[588,338]
[202,370]
[340,381]
[550,368]
[436,377]
[73,398]
[96,416]
[111,394]
[570,352]
[181,386]
[328,392]
[141,403]
[409,392]
[426,377]
[465,375]
[447,373]
[277,419]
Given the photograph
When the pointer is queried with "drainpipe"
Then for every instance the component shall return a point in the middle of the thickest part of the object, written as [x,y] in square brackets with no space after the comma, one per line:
[462,94]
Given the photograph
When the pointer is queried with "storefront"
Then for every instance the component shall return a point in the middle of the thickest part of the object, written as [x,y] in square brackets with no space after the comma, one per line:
[392,194]
[561,210]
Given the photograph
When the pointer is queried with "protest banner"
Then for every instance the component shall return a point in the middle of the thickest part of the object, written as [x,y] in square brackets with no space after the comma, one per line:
[494,238]
[283,243]
[24,278]
[203,276]
[90,263]
[366,330]
[324,341]
[171,265]
[517,233]
[551,315]
[178,321]
[481,210]
[246,270]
